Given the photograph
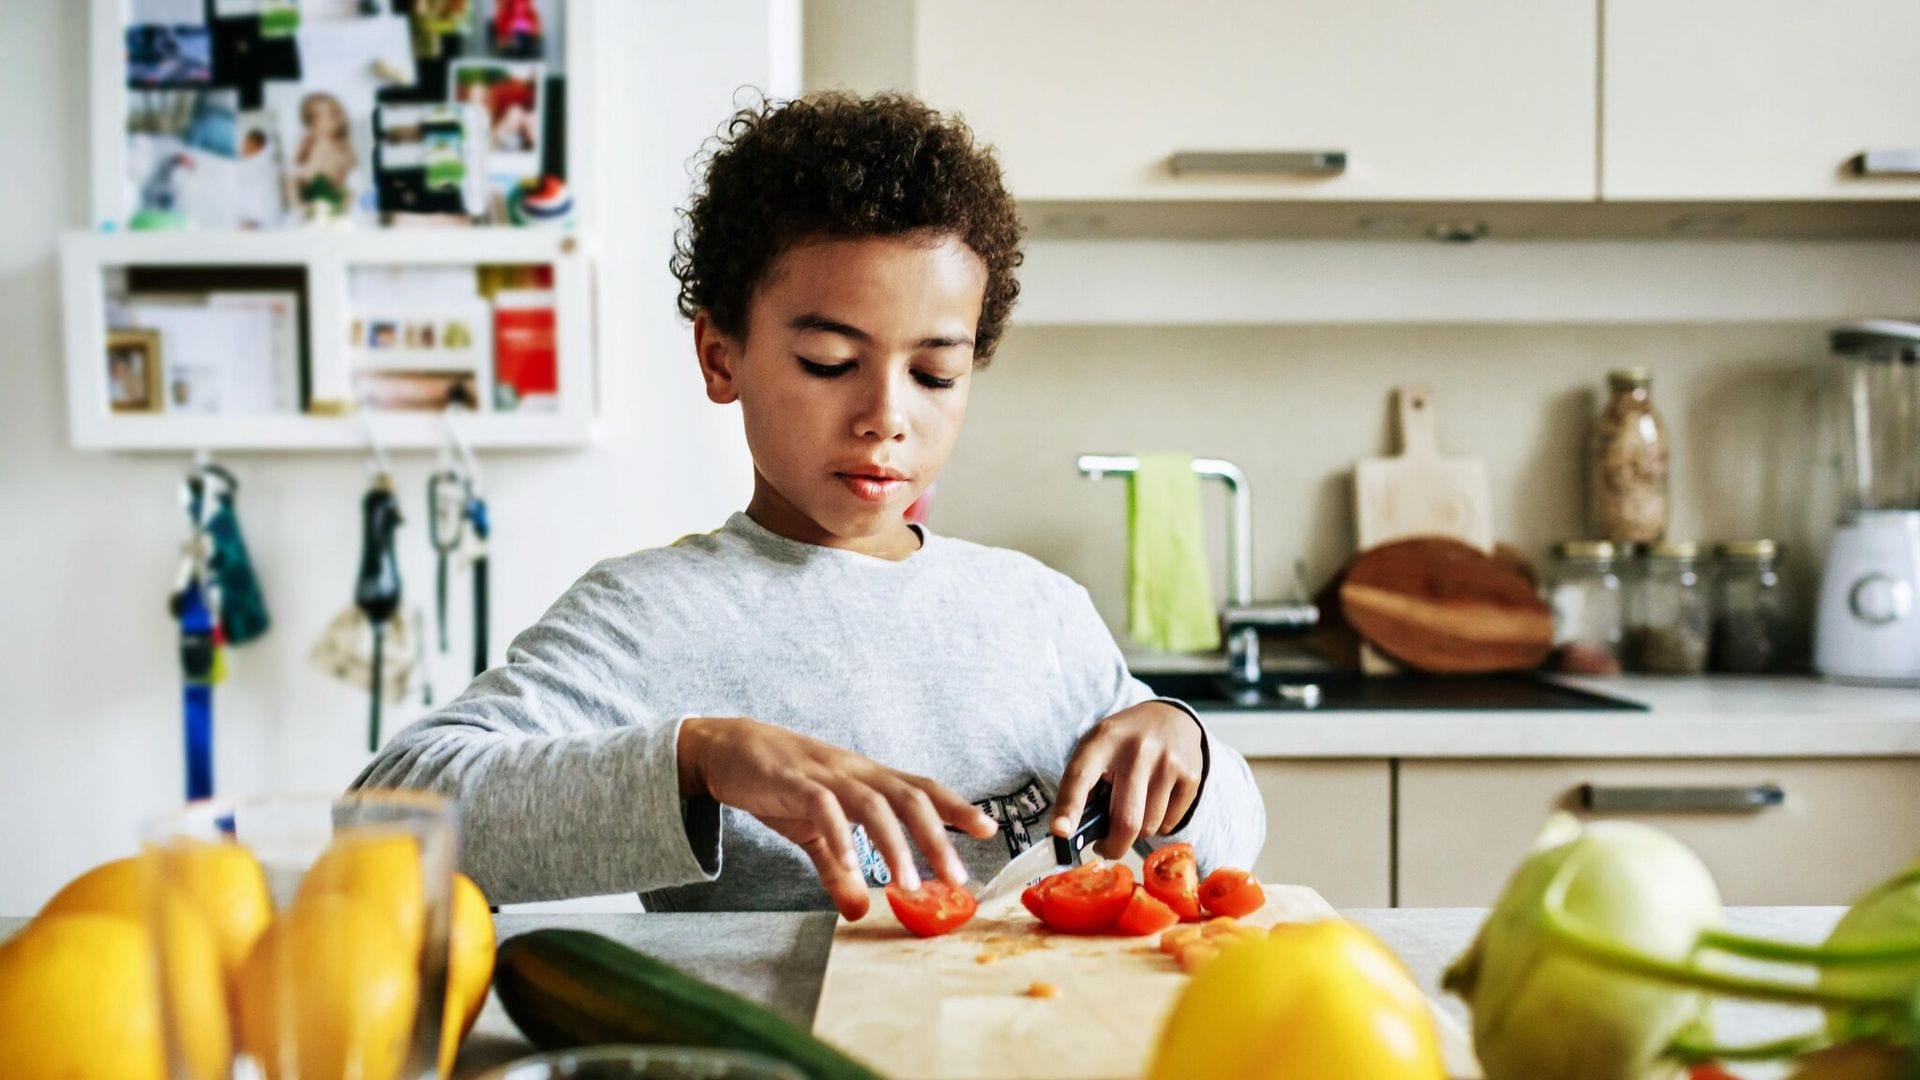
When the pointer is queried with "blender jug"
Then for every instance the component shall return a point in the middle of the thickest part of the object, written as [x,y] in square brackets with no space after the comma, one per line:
[1867,627]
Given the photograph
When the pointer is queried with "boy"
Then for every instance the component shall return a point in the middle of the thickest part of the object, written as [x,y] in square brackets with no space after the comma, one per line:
[819,688]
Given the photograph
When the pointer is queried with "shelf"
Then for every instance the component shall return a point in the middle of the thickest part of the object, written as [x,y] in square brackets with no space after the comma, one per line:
[396,432]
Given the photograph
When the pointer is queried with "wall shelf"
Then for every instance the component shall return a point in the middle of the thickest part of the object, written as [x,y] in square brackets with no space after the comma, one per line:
[327,256]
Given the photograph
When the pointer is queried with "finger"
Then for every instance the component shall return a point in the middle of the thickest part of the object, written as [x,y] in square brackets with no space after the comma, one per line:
[1127,813]
[1085,770]
[833,855]
[914,807]
[871,809]
[954,810]
[1185,790]
[1159,797]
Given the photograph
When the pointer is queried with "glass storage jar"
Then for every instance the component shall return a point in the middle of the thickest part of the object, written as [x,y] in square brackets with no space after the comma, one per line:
[1628,463]
[1669,617]
[1748,619]
[1583,589]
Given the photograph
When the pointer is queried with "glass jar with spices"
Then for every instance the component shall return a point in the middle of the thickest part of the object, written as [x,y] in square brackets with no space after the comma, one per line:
[1583,590]
[1628,462]
[1669,617]
[1747,611]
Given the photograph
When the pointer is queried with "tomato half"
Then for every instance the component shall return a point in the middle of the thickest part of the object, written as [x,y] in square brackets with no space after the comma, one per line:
[1030,899]
[1144,915]
[1086,899]
[1172,878]
[933,909]
[1231,892]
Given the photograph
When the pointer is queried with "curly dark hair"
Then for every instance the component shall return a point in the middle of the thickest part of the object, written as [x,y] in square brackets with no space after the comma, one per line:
[840,165]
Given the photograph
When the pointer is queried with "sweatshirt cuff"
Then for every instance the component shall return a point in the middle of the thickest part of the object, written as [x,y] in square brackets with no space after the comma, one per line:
[1206,762]
[689,829]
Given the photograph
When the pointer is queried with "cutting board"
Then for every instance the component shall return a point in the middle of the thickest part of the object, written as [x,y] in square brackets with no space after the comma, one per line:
[955,1008]
[1419,493]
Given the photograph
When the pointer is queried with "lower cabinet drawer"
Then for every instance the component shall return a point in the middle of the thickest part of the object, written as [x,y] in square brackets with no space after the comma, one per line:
[1772,832]
[1329,826]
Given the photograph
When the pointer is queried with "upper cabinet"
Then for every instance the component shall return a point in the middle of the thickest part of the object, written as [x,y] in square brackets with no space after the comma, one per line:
[1271,99]
[1760,99]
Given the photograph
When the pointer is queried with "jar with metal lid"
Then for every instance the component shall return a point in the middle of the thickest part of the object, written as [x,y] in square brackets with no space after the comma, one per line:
[1628,462]
[1669,613]
[1583,590]
[1747,608]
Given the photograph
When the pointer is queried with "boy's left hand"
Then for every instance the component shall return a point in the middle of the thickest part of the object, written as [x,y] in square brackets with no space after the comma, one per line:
[1152,754]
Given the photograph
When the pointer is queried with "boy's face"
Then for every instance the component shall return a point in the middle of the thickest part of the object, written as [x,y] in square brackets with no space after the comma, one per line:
[852,381]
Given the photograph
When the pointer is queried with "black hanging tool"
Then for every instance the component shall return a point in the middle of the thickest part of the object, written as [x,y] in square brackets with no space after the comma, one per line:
[376,592]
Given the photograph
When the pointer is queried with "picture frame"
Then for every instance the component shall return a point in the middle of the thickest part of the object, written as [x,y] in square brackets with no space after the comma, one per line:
[133,371]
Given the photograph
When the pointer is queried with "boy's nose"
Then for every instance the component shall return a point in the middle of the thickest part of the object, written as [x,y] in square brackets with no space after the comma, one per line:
[882,416]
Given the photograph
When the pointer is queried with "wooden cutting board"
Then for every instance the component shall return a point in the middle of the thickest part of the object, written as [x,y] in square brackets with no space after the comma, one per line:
[934,1009]
[1418,493]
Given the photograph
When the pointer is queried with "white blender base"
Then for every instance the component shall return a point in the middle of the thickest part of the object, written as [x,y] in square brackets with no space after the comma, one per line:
[1867,628]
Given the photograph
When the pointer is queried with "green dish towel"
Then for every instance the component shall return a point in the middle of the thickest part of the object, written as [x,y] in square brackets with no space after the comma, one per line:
[1169,588]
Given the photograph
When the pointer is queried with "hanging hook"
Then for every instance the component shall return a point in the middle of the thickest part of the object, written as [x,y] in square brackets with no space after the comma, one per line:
[458,440]
[378,464]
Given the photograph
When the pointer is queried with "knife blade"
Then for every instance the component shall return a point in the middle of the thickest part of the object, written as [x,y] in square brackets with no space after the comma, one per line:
[1046,858]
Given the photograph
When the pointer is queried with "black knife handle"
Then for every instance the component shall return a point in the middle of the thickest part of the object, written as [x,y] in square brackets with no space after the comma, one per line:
[1092,827]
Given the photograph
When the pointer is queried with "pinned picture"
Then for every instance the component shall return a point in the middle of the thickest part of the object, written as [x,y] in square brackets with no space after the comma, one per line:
[319,174]
[133,370]
[419,391]
[515,103]
[162,56]
[259,202]
[181,164]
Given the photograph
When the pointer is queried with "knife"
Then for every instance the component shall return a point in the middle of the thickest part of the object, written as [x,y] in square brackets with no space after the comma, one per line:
[1043,858]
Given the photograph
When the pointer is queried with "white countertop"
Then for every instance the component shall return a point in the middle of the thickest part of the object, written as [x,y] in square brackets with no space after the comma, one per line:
[1706,716]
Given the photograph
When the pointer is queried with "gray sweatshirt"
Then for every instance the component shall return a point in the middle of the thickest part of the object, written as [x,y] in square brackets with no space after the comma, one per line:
[976,666]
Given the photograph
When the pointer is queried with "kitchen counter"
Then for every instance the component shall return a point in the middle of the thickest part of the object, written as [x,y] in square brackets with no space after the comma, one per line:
[779,958]
[1705,717]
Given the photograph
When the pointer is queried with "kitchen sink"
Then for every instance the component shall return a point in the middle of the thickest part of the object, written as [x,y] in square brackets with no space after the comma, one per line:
[1348,691]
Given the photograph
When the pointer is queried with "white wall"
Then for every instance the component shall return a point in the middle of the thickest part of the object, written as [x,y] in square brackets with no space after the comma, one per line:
[89,686]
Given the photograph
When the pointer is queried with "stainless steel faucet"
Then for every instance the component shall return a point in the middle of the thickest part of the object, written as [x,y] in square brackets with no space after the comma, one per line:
[1242,619]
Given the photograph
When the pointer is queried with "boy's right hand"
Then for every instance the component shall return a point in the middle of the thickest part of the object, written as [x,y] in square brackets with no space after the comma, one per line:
[810,791]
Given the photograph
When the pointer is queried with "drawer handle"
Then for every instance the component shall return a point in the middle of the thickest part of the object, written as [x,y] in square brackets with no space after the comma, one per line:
[1260,162]
[1886,162]
[1731,799]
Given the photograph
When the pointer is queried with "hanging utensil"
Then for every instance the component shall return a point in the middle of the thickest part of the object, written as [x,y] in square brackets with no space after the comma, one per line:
[448,492]
[376,591]
[480,527]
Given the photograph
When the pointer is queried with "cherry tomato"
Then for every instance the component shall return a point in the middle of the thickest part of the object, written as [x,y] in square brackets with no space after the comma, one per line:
[1171,877]
[1086,899]
[1030,899]
[933,909]
[1231,892]
[1145,915]
[1710,1071]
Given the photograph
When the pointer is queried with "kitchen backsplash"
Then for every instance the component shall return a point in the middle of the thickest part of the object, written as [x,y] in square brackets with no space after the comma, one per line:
[1296,407]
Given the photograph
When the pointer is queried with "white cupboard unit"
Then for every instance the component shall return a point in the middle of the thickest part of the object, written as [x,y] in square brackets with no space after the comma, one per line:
[1760,99]
[1271,99]
[1329,826]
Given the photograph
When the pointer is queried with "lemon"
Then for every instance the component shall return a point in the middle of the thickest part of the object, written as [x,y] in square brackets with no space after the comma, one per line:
[77,1001]
[379,867]
[469,967]
[330,990]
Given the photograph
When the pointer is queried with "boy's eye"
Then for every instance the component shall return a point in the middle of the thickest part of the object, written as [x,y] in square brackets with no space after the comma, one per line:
[824,371]
[934,382]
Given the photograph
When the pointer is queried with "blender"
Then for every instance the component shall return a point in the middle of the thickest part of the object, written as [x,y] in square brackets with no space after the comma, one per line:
[1867,625]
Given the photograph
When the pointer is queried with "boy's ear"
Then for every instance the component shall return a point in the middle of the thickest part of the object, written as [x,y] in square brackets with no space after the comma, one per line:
[719,356]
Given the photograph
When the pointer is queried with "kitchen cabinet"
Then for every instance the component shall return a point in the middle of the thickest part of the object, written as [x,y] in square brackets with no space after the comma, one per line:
[1292,99]
[1757,99]
[1329,826]
[1837,827]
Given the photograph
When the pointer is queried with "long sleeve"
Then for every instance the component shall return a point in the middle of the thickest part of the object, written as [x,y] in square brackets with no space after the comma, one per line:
[1228,823]
[568,785]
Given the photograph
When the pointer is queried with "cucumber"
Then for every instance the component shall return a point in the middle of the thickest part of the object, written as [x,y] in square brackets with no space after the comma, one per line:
[567,988]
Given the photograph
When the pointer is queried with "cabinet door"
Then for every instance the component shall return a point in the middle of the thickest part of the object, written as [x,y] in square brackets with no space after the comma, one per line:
[1428,99]
[1328,827]
[1839,826]
[1758,99]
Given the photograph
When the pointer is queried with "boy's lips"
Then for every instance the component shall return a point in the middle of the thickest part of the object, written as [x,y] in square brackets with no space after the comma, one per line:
[872,484]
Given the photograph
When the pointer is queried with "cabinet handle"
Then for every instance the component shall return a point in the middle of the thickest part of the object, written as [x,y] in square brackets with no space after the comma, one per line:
[1886,162]
[1257,162]
[1731,799]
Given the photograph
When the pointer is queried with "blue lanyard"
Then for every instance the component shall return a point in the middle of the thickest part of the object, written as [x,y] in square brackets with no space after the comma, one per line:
[197,657]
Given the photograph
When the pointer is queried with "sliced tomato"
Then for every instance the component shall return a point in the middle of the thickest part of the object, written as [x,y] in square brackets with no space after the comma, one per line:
[1710,1071]
[1086,899]
[1171,877]
[1030,899]
[933,909]
[1144,915]
[1231,892]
